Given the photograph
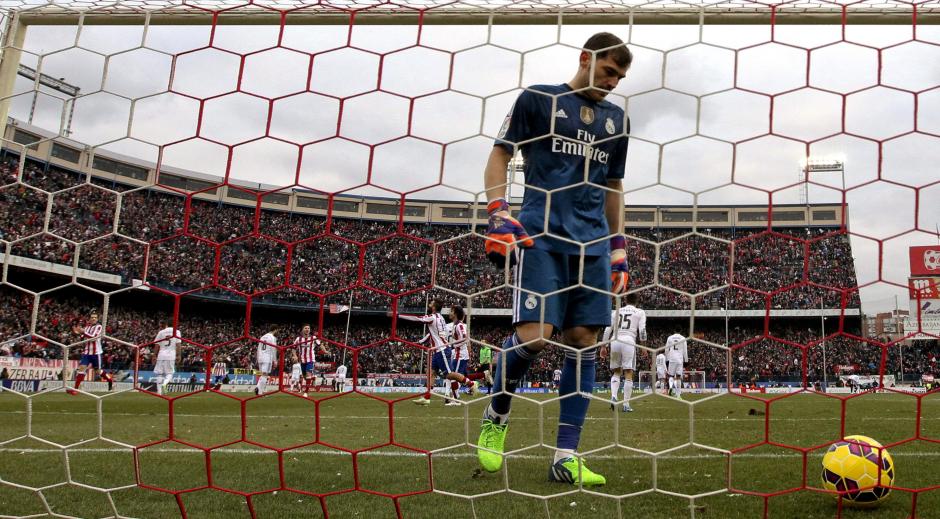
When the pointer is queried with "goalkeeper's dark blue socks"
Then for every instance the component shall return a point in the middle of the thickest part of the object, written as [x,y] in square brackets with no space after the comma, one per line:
[574,408]
[514,363]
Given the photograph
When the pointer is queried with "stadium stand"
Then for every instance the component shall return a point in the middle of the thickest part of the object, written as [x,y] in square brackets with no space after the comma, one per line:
[398,259]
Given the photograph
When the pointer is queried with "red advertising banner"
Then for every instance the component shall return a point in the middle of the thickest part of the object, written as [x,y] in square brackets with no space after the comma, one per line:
[925,260]
[30,362]
[925,288]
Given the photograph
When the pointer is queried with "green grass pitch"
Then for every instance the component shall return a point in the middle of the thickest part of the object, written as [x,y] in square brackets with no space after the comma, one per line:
[99,432]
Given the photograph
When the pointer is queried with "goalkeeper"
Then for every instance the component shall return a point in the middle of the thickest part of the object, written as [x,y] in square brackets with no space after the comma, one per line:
[574,144]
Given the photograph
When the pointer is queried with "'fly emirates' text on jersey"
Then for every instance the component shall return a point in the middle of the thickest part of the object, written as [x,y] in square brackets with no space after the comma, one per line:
[586,133]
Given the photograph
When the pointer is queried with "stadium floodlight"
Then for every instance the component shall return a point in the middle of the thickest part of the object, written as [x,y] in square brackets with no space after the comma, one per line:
[57,84]
[814,164]
[810,167]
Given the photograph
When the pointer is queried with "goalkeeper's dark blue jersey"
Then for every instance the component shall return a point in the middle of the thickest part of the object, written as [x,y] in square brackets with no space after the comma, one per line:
[588,136]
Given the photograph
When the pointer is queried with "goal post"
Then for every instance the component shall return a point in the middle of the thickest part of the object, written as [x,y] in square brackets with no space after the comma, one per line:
[13,37]
[735,12]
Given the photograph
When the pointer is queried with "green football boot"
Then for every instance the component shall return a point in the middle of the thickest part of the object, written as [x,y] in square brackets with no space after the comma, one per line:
[490,445]
[568,471]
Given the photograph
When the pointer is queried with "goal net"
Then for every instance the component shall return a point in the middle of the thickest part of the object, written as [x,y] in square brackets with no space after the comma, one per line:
[237,238]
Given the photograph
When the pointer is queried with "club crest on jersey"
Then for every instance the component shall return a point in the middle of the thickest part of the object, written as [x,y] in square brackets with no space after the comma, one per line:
[610,126]
[587,115]
[531,302]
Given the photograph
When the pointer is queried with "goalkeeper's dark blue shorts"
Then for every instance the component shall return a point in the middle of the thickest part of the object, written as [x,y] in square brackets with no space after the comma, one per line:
[540,272]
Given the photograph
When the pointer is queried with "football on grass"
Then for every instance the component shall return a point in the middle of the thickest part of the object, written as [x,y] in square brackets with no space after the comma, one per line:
[859,469]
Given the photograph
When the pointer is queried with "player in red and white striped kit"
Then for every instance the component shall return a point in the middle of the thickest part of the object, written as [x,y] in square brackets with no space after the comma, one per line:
[437,333]
[307,346]
[460,343]
[91,350]
[219,371]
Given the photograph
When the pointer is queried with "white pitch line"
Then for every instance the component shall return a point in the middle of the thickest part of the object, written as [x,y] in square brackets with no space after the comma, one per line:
[412,454]
[636,417]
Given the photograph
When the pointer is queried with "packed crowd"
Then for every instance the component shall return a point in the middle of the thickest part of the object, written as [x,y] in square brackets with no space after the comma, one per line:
[194,244]
[767,265]
[389,258]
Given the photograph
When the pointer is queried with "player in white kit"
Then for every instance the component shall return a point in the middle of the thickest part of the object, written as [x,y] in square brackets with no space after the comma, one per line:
[266,357]
[677,354]
[661,372]
[437,334]
[339,379]
[168,341]
[628,327]
[293,383]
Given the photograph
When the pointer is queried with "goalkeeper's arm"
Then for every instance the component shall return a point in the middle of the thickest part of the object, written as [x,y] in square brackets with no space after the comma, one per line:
[503,232]
[613,210]
[494,176]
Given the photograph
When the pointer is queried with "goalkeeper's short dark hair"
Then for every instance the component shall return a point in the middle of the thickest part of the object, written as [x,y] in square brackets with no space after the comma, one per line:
[609,45]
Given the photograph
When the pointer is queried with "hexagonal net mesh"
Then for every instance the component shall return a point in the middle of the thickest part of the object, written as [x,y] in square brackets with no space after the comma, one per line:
[233,234]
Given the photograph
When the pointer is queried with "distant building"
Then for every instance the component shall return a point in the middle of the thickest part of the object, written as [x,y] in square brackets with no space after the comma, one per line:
[886,324]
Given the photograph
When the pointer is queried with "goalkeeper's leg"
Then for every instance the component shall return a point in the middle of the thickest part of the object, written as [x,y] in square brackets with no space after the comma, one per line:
[567,467]
[509,371]
[534,318]
[512,367]
[586,312]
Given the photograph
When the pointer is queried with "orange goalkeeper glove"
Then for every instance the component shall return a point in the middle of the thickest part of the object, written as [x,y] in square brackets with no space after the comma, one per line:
[503,234]
[619,275]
